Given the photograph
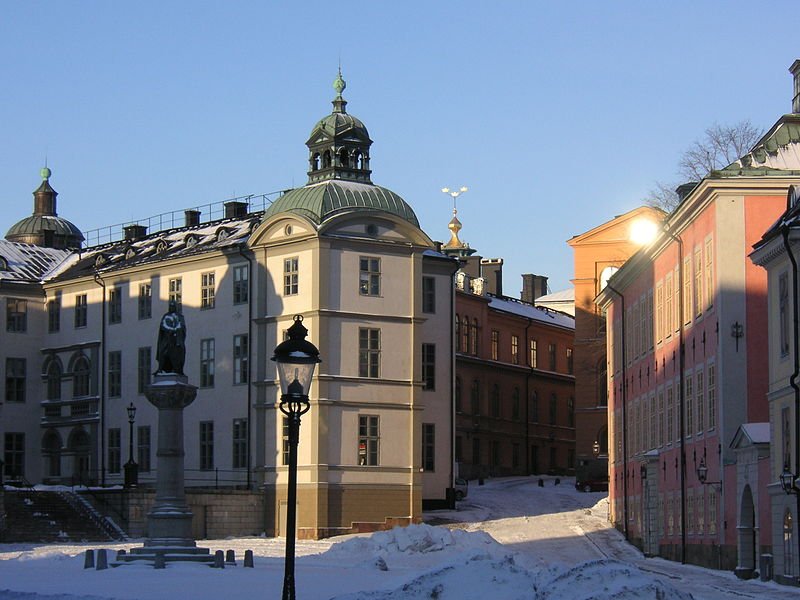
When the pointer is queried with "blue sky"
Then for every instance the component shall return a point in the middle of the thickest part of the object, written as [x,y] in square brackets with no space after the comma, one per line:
[558,116]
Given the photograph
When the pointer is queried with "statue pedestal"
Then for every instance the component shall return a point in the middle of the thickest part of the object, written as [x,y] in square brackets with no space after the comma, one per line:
[169,522]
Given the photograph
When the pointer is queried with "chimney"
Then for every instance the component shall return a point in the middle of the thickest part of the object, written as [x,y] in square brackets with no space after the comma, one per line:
[134,232]
[492,272]
[685,189]
[533,287]
[795,71]
[192,217]
[234,209]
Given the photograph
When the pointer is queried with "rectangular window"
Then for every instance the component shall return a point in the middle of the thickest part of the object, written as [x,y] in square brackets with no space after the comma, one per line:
[495,344]
[206,445]
[711,392]
[114,450]
[145,301]
[659,313]
[428,447]
[291,276]
[14,454]
[709,273]
[115,305]
[176,291]
[368,440]
[687,290]
[143,369]
[712,513]
[54,314]
[473,338]
[475,398]
[571,412]
[369,352]
[239,444]
[207,290]
[553,409]
[515,349]
[676,302]
[535,407]
[786,434]
[534,355]
[143,448]
[240,359]
[428,366]
[495,453]
[570,364]
[670,414]
[700,398]
[476,451]
[515,456]
[668,306]
[459,449]
[660,432]
[15,379]
[783,308]
[285,442]
[428,295]
[515,404]
[16,315]
[369,276]
[115,374]
[241,284]
[551,351]
[698,282]
[494,404]
[653,441]
[81,308]
[689,399]
[207,363]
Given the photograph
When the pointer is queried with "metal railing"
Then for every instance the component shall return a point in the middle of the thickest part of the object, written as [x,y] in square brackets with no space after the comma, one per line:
[177,218]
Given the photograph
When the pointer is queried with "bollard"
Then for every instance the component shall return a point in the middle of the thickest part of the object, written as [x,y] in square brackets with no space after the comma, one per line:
[230,557]
[160,562]
[219,560]
[88,560]
[248,559]
[102,559]
[557,481]
[541,483]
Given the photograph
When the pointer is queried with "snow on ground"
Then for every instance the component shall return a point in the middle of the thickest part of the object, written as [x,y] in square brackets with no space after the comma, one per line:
[510,539]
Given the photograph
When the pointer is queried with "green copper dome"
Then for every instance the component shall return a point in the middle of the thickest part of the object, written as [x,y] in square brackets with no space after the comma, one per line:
[320,201]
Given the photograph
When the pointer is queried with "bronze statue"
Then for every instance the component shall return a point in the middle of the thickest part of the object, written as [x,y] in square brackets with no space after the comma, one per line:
[171,350]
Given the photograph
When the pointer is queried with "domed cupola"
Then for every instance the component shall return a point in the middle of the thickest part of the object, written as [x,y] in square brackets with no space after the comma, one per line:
[44,227]
[339,144]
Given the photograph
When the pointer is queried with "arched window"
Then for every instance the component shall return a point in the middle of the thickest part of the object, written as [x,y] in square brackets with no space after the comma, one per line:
[788,543]
[474,338]
[465,335]
[475,398]
[315,162]
[344,158]
[458,394]
[458,334]
[358,160]
[80,378]
[3,264]
[54,380]
[326,159]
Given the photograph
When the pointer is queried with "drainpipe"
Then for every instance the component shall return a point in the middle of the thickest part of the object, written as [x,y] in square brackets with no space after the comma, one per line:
[624,412]
[99,281]
[796,356]
[452,389]
[250,278]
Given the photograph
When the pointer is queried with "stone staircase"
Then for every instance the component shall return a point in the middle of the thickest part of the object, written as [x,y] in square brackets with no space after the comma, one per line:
[54,516]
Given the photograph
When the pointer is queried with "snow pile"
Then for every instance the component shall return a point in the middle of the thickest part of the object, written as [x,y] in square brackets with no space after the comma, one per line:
[604,580]
[416,539]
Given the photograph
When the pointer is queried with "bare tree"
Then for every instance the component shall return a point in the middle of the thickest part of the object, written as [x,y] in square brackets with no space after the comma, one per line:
[721,146]
[663,196]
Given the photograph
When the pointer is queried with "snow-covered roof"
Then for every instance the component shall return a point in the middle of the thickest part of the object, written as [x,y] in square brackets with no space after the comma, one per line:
[26,263]
[749,434]
[567,295]
[536,313]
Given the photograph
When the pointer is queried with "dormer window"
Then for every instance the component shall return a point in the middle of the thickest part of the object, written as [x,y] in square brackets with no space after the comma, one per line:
[161,247]
[130,254]
[222,234]
[100,260]
[3,264]
[191,241]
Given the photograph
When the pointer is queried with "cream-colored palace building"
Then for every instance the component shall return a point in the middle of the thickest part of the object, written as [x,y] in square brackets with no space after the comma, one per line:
[80,327]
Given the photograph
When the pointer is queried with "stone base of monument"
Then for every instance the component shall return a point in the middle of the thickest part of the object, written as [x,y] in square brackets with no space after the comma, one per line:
[165,554]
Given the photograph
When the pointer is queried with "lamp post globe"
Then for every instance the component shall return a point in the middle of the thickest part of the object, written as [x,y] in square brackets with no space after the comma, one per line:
[787,480]
[295,359]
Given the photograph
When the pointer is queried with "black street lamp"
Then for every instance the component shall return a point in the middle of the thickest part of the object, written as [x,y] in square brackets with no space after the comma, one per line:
[131,468]
[788,481]
[702,473]
[296,359]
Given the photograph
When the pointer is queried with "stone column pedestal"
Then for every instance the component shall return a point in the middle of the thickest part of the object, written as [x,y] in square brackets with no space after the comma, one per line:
[169,522]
